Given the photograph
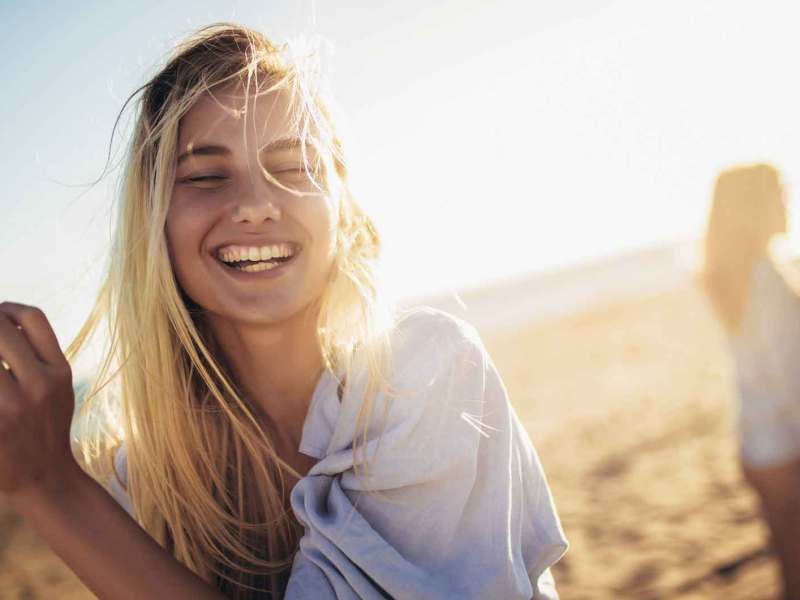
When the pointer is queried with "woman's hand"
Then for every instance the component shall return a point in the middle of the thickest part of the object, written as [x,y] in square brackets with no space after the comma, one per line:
[36,404]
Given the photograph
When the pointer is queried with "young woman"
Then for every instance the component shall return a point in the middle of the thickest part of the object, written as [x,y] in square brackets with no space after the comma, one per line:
[752,280]
[276,428]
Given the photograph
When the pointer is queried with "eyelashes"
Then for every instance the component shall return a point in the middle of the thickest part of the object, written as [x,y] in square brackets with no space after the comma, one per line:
[212,182]
[288,171]
[204,181]
[206,178]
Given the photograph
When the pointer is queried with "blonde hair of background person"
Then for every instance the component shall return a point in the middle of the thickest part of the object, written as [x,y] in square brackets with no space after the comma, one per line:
[747,210]
[205,469]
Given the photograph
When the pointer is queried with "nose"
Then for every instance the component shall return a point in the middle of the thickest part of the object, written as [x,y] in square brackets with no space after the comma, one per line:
[255,206]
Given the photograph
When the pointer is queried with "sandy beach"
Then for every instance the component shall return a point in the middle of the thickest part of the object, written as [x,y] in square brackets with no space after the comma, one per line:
[630,407]
[629,404]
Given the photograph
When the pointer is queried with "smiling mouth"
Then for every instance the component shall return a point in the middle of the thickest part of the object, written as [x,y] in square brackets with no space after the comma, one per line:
[254,266]
[246,255]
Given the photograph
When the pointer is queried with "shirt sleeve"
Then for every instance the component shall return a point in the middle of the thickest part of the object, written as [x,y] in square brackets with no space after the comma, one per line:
[764,350]
[117,485]
[455,503]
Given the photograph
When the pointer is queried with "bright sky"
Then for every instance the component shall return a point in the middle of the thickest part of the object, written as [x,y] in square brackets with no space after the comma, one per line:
[488,139]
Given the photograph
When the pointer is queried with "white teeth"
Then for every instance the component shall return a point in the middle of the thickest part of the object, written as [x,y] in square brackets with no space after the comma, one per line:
[239,253]
[256,268]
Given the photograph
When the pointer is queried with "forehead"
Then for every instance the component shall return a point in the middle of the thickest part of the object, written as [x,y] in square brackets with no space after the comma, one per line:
[228,114]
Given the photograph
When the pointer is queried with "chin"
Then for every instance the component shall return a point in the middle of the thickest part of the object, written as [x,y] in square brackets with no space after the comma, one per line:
[271,314]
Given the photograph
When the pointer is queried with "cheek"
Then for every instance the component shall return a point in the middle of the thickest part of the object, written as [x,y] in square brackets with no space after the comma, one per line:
[183,229]
[186,220]
[321,218]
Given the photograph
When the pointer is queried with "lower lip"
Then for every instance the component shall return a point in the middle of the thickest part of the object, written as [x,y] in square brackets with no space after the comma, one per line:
[258,275]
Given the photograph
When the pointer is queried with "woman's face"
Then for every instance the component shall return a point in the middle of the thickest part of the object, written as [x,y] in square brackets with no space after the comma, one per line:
[223,204]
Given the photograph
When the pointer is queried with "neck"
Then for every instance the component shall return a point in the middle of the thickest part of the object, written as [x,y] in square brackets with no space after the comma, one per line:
[277,366]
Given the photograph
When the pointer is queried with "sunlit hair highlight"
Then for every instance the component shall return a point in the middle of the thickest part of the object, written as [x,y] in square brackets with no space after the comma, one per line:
[204,479]
[747,211]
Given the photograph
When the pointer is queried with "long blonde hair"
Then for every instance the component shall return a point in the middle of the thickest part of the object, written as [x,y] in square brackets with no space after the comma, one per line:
[747,210]
[204,478]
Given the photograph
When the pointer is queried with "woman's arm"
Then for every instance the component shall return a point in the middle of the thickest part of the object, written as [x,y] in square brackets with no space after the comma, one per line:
[114,557]
[41,479]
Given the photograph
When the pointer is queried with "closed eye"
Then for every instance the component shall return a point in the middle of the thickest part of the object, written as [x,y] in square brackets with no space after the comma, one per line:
[206,178]
[299,170]
[204,182]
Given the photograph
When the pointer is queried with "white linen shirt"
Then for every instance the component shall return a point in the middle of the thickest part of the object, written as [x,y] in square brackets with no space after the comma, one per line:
[767,379]
[462,509]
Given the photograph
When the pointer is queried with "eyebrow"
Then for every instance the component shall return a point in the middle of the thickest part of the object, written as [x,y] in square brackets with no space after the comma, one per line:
[207,150]
[219,150]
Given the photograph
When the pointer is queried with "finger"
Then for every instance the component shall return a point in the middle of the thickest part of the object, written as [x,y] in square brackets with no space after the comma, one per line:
[38,331]
[16,352]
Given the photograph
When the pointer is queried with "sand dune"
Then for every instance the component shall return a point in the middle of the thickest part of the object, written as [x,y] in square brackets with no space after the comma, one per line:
[629,405]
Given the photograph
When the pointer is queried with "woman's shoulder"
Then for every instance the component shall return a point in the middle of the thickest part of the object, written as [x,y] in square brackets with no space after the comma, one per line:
[774,296]
[433,380]
[435,352]
[440,387]
[771,317]
[422,331]
[432,351]
[428,335]
[433,321]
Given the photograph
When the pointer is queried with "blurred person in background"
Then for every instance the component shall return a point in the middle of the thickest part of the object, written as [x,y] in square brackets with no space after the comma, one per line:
[750,277]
